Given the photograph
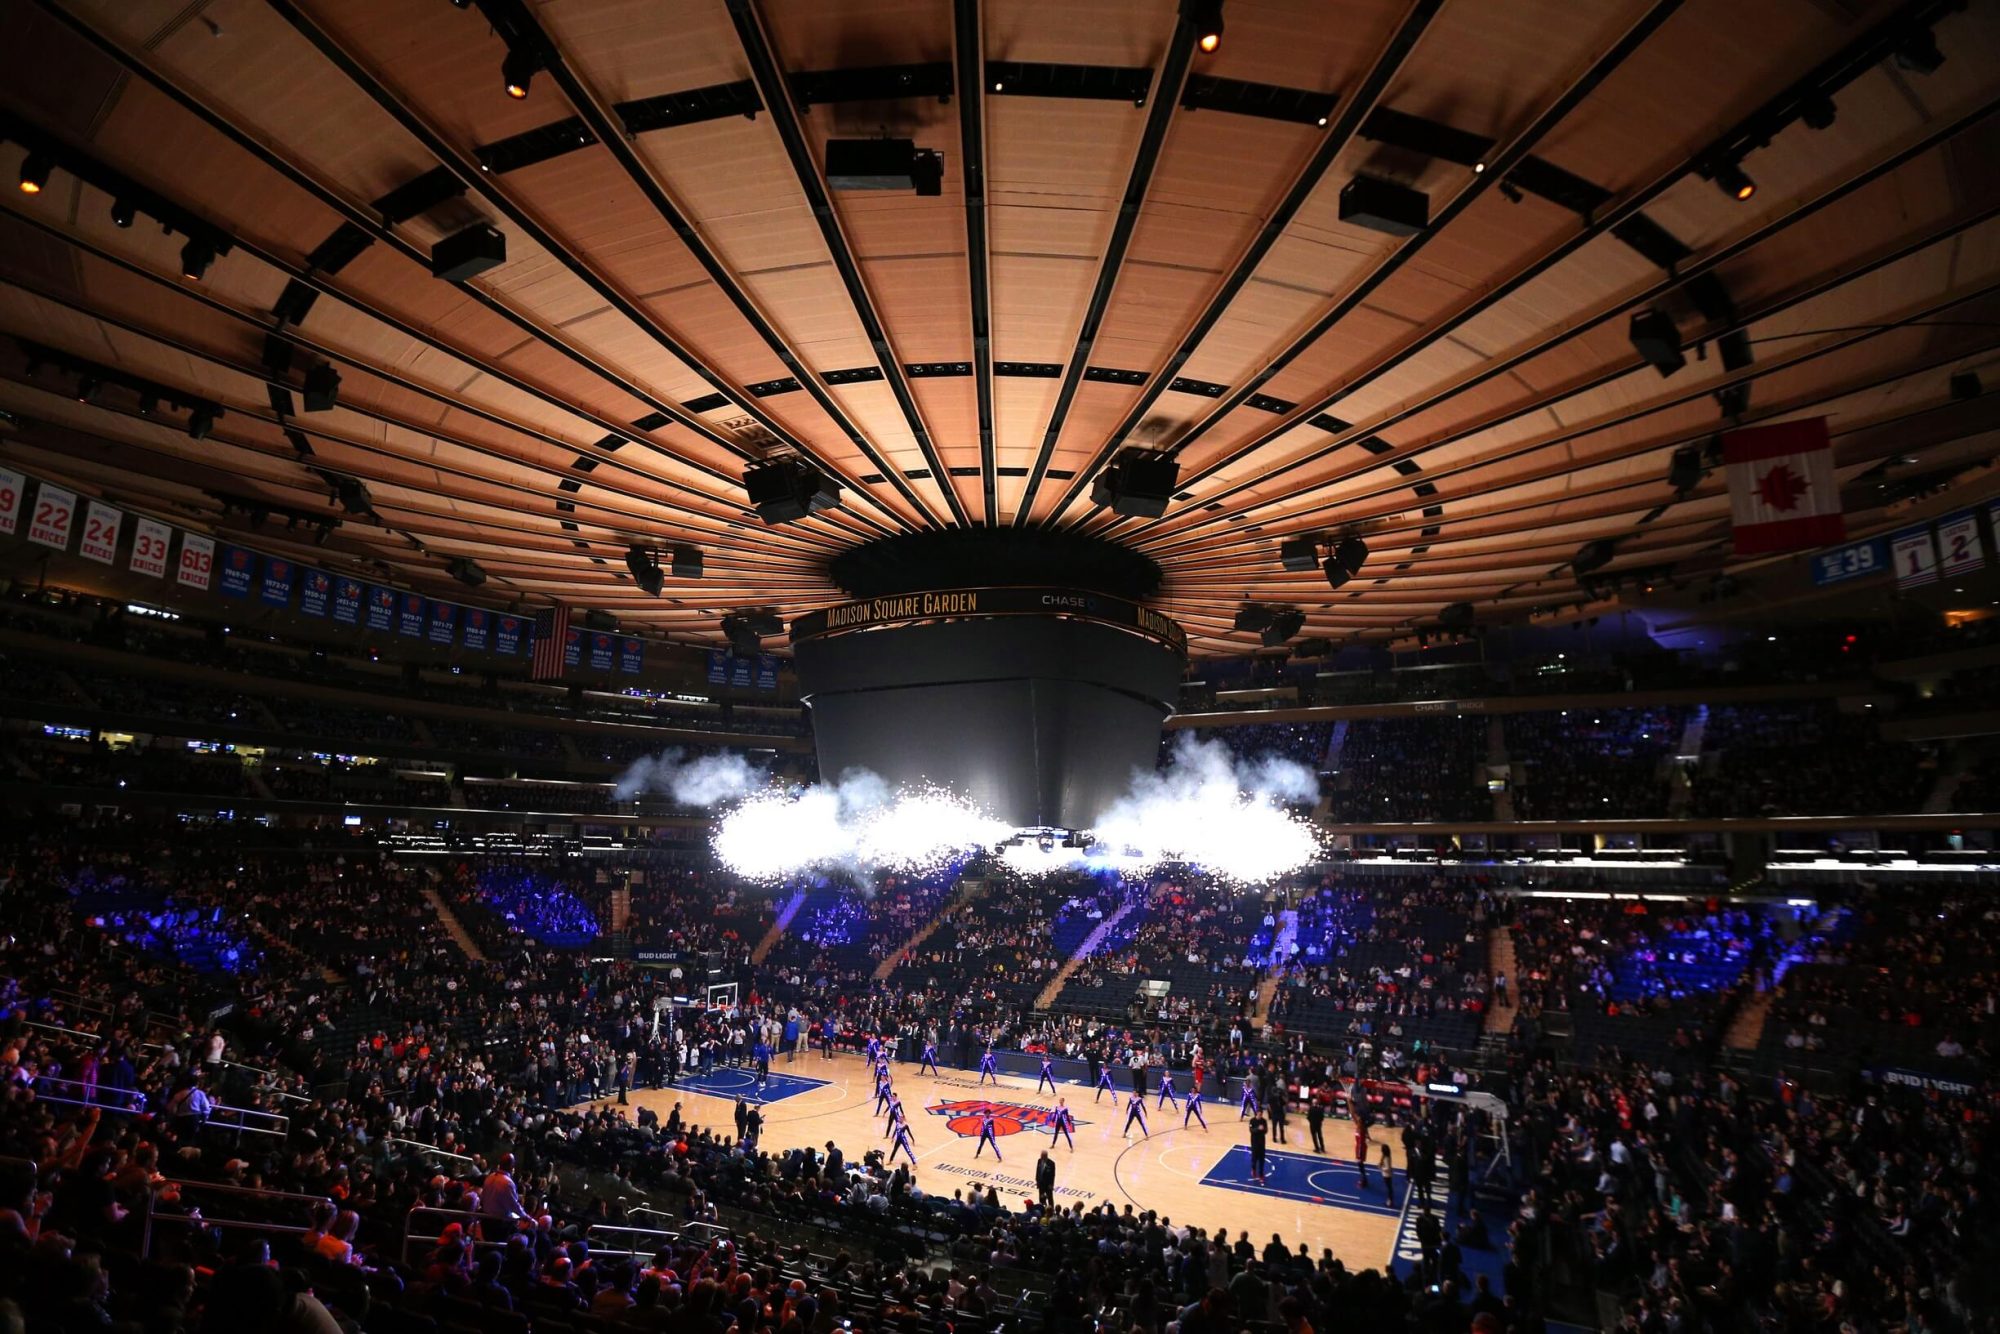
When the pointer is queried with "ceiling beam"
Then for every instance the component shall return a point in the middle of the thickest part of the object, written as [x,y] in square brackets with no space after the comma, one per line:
[969,40]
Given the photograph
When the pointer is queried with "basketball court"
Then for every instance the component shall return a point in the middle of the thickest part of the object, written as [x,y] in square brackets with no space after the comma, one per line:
[1190,1175]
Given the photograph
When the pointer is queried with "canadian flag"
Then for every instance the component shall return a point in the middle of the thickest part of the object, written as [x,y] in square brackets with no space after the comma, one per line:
[1783,493]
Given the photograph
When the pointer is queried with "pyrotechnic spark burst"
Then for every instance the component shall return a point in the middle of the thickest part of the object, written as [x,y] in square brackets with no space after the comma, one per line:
[858,825]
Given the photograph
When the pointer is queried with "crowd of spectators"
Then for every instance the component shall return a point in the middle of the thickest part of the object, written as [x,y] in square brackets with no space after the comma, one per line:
[1594,762]
[1424,767]
[1808,758]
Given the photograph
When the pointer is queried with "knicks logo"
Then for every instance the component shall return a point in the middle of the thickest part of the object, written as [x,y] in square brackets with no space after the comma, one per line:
[1009,1118]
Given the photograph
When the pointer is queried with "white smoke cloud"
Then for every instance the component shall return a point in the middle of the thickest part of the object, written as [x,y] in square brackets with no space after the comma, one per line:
[704,781]
[1207,807]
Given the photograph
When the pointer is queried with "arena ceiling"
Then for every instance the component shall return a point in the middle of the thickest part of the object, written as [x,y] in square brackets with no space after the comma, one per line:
[1135,243]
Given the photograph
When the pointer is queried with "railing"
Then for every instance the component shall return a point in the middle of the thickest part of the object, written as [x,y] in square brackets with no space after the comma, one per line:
[431,1150]
[472,1222]
[194,1218]
[660,1237]
[134,1103]
[267,1123]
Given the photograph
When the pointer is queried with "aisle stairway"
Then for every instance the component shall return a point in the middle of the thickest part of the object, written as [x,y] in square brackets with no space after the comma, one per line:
[1267,990]
[449,921]
[1748,1026]
[778,925]
[1500,962]
[967,891]
[1076,960]
[1954,762]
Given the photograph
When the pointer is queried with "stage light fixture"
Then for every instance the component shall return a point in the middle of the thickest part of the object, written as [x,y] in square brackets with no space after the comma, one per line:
[1384,206]
[322,388]
[35,169]
[1455,618]
[1205,17]
[645,569]
[149,403]
[1657,339]
[467,571]
[1284,624]
[196,256]
[1733,181]
[353,495]
[1592,556]
[1817,111]
[1733,399]
[201,421]
[517,71]
[86,390]
[1251,618]
[1352,553]
[123,213]
[687,562]
[1965,385]
[1137,483]
[1336,573]
[1918,52]
[1684,472]
[1299,555]
[788,489]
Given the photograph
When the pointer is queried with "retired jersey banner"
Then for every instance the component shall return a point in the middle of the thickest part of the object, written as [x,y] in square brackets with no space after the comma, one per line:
[381,608]
[572,647]
[718,667]
[742,672]
[1959,549]
[55,513]
[237,565]
[631,654]
[1915,556]
[410,615]
[600,651]
[347,601]
[507,635]
[151,541]
[100,533]
[767,672]
[12,487]
[279,576]
[478,623]
[1783,492]
[197,564]
[443,623]
[315,592]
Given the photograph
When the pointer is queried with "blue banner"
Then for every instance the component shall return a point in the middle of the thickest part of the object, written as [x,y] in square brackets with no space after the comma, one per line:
[1856,560]
[476,622]
[410,615]
[443,623]
[601,648]
[232,578]
[631,654]
[314,592]
[507,635]
[767,672]
[572,647]
[742,671]
[277,587]
[381,608]
[347,602]
[718,667]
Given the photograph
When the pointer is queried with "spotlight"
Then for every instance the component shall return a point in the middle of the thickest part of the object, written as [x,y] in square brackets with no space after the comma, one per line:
[1684,471]
[1733,181]
[196,256]
[86,390]
[1252,618]
[1283,626]
[645,569]
[467,571]
[35,169]
[1733,399]
[1592,556]
[1455,618]
[1656,338]
[1965,385]
[1352,553]
[123,212]
[1918,52]
[687,562]
[1298,555]
[201,421]
[149,403]
[518,71]
[1817,111]
[353,495]
[786,489]
[1205,17]
[1137,483]
[1336,574]
[322,388]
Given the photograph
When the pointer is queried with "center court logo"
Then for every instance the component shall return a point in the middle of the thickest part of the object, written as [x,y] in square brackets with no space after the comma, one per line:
[1009,1118]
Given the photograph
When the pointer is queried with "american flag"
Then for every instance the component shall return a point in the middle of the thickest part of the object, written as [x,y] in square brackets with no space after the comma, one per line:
[551,629]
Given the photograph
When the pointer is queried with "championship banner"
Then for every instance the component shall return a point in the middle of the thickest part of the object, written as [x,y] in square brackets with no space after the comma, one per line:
[1915,556]
[151,541]
[631,653]
[279,575]
[12,486]
[197,564]
[507,635]
[443,623]
[1959,549]
[1783,492]
[55,510]
[100,533]
[347,602]
[237,565]
[767,672]
[315,590]
[410,615]
[718,667]
[572,648]
[381,609]
[600,651]
[742,672]
[476,628]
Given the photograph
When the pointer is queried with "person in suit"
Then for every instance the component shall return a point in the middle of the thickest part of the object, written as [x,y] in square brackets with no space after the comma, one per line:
[1045,1181]
[1260,1134]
